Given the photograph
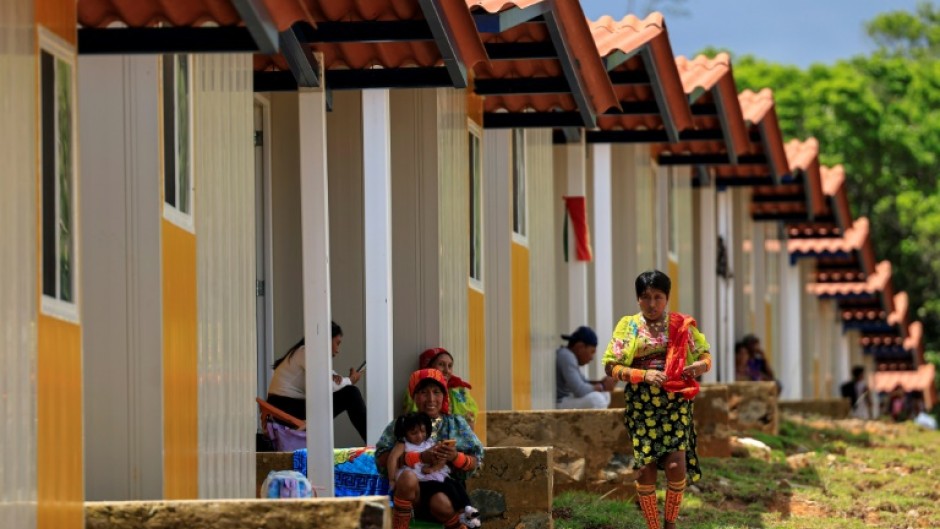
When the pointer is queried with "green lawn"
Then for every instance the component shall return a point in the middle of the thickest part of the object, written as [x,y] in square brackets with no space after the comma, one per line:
[821,474]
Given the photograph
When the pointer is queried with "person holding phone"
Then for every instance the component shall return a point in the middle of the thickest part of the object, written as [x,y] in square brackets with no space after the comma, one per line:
[288,387]
[455,444]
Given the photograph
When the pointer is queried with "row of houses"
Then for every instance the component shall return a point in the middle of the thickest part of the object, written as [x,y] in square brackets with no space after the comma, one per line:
[190,187]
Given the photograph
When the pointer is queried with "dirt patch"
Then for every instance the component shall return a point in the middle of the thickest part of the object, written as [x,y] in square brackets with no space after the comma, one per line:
[788,506]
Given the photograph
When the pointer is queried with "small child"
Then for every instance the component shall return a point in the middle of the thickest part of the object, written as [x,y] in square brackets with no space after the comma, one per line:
[413,431]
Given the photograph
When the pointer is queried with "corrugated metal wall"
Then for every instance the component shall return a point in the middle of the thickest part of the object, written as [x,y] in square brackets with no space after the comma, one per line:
[544,255]
[18,265]
[225,257]
[454,215]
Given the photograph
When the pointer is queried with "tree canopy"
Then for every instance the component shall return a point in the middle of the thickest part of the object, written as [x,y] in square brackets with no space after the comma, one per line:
[879,116]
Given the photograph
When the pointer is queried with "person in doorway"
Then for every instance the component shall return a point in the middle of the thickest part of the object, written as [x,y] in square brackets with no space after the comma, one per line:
[288,387]
[462,402]
[572,389]
[857,393]
[742,357]
[454,444]
[757,364]
[660,355]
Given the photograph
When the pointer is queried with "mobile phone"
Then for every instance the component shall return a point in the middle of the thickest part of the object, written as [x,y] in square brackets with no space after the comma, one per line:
[449,442]
[362,366]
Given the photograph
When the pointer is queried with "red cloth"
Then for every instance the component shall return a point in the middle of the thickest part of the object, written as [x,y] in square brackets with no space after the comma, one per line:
[679,325]
[430,355]
[430,374]
[577,211]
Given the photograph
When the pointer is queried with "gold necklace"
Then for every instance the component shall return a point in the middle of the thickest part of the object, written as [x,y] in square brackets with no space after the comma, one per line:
[657,326]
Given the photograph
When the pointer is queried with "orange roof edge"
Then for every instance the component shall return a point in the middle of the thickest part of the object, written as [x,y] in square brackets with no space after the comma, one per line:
[574,27]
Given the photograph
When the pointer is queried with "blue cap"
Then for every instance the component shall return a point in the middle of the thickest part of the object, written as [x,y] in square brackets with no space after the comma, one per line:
[583,334]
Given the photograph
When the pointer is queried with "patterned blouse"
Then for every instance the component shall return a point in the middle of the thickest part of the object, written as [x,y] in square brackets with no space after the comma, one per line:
[634,345]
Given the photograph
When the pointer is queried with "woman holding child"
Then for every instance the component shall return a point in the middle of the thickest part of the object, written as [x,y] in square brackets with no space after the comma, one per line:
[455,445]
[659,354]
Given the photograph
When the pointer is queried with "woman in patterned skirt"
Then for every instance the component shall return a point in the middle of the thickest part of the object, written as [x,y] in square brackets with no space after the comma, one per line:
[659,354]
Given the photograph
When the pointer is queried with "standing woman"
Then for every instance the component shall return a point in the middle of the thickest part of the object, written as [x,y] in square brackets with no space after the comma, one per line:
[659,354]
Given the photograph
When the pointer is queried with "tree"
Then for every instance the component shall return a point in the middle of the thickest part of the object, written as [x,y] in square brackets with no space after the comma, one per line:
[879,116]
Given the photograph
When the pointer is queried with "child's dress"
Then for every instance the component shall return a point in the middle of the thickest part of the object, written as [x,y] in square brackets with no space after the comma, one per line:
[437,475]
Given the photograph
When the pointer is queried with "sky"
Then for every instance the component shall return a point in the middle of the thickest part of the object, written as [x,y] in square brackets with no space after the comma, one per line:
[799,32]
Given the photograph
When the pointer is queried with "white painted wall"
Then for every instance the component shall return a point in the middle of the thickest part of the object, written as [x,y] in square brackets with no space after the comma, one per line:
[223,162]
[122,332]
[18,264]
[544,254]
[791,328]
[809,332]
[705,257]
[347,243]
[497,237]
[684,219]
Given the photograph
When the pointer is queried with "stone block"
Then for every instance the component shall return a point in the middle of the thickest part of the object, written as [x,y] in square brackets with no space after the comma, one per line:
[831,408]
[514,489]
[368,512]
[752,406]
[710,414]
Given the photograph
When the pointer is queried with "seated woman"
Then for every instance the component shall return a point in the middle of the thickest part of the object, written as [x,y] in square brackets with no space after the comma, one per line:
[432,500]
[288,387]
[462,402]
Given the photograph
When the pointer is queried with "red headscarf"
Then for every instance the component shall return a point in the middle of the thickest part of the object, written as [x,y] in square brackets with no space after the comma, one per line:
[427,358]
[420,376]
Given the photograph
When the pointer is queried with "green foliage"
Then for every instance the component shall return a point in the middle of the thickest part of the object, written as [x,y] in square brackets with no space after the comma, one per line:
[879,116]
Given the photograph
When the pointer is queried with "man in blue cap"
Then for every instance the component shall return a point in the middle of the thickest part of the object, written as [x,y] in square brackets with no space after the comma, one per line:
[572,389]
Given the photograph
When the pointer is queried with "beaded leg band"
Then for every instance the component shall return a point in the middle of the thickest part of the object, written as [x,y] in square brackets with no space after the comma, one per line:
[646,494]
[401,514]
[674,490]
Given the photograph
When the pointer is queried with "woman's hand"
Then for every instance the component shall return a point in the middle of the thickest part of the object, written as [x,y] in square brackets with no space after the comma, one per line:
[447,452]
[354,376]
[694,370]
[654,378]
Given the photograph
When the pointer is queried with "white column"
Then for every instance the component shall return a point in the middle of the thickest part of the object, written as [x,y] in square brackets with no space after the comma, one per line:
[791,375]
[377,212]
[315,237]
[603,253]
[577,270]
[724,356]
[758,278]
[662,210]
[708,280]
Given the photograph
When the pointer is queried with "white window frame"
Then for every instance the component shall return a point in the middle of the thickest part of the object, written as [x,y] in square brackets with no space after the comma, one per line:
[474,131]
[54,306]
[172,212]
[520,208]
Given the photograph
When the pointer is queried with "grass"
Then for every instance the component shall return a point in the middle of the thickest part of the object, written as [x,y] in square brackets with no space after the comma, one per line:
[839,475]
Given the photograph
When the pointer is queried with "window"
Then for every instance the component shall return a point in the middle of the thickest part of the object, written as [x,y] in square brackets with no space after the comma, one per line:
[519,212]
[476,206]
[58,208]
[177,139]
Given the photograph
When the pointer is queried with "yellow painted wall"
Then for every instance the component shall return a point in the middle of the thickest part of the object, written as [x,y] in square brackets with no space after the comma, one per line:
[59,470]
[673,273]
[477,348]
[521,337]
[180,390]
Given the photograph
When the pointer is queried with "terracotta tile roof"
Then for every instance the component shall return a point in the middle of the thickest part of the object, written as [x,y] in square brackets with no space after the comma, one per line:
[631,35]
[804,156]
[920,380]
[874,283]
[576,33]
[898,315]
[760,115]
[852,240]
[834,187]
[711,81]
[915,339]
[141,13]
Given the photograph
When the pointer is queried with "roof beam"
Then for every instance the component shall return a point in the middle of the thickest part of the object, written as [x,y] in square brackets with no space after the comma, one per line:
[521,85]
[360,79]
[531,120]
[446,42]
[307,70]
[94,41]
[649,136]
[260,24]
[515,51]
[569,65]
[369,31]
[629,77]
[510,18]
[710,159]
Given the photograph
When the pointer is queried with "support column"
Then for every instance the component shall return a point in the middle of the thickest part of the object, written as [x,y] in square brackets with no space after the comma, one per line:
[724,355]
[759,281]
[663,212]
[577,270]
[708,280]
[603,254]
[791,374]
[377,212]
[315,242]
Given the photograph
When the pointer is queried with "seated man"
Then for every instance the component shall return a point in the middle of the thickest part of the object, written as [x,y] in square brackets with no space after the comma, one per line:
[572,389]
